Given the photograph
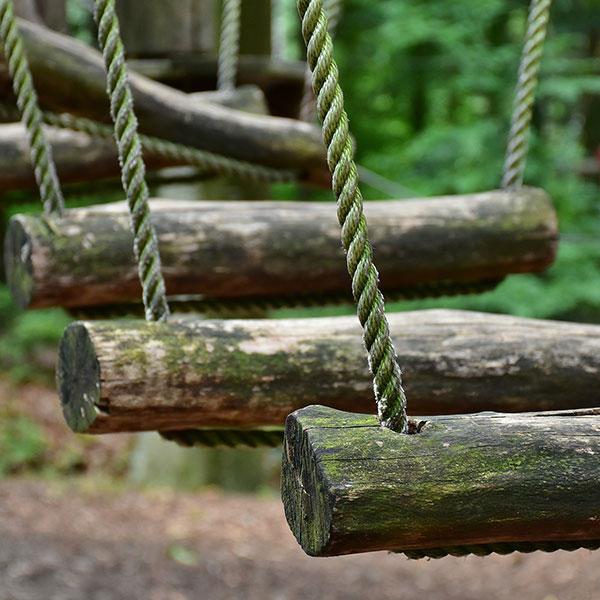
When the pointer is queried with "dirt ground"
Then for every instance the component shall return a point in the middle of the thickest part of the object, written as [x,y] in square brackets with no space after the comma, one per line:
[65,542]
[76,539]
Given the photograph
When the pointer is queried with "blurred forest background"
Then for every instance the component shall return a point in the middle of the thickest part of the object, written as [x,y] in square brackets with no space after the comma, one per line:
[429,91]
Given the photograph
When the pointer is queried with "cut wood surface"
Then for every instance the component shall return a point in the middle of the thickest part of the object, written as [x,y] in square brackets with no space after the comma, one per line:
[260,249]
[70,76]
[80,157]
[131,375]
[350,486]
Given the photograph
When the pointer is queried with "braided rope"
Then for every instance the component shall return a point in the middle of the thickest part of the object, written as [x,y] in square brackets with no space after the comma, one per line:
[387,382]
[41,153]
[229,438]
[229,45]
[308,106]
[502,548]
[132,165]
[516,152]
[257,305]
[215,163]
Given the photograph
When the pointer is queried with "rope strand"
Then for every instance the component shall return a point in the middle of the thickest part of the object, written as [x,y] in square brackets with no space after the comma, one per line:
[387,381]
[529,67]
[41,153]
[229,45]
[132,165]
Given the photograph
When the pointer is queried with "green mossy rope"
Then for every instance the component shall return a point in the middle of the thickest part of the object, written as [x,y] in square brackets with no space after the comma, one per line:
[132,165]
[529,67]
[308,108]
[214,163]
[387,381]
[258,305]
[41,153]
[229,438]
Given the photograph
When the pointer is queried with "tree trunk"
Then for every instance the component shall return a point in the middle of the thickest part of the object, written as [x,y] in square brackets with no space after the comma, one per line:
[132,376]
[351,486]
[261,249]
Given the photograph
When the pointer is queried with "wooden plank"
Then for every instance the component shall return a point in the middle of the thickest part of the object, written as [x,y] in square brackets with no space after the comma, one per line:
[350,486]
[159,28]
[80,157]
[257,249]
[70,76]
[130,375]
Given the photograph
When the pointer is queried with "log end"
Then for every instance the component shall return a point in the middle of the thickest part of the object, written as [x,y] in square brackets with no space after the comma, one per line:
[308,505]
[18,265]
[78,377]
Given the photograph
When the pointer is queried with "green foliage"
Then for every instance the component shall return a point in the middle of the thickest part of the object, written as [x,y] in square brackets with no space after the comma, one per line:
[22,444]
[28,339]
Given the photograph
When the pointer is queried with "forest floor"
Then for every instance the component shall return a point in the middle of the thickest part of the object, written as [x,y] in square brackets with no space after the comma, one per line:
[78,537]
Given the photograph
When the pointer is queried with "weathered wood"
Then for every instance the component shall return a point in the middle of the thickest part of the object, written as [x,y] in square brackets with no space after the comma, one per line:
[54,14]
[80,157]
[280,80]
[351,486]
[246,249]
[129,375]
[70,76]
[159,28]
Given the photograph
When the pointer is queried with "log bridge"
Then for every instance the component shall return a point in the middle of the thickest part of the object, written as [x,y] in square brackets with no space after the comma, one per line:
[261,249]
[470,483]
[133,376]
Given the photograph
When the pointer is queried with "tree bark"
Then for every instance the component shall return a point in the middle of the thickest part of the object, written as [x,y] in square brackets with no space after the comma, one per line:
[351,486]
[132,376]
[70,77]
[261,249]
[80,157]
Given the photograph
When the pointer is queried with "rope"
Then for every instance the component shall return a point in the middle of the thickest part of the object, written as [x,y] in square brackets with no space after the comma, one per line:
[308,107]
[189,155]
[516,152]
[132,165]
[257,305]
[387,382]
[229,45]
[230,438]
[501,548]
[41,153]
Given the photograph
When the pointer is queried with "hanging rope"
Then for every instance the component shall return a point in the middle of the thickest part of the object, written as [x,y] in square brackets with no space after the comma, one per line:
[516,152]
[132,165]
[41,153]
[308,107]
[215,163]
[387,382]
[229,45]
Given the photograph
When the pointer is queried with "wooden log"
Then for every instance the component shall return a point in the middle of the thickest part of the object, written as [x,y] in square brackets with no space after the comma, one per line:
[130,376]
[351,486]
[162,28]
[70,76]
[80,157]
[257,249]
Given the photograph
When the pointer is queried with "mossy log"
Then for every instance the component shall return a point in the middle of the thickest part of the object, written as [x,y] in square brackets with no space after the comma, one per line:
[80,157]
[261,249]
[131,375]
[479,483]
[70,77]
